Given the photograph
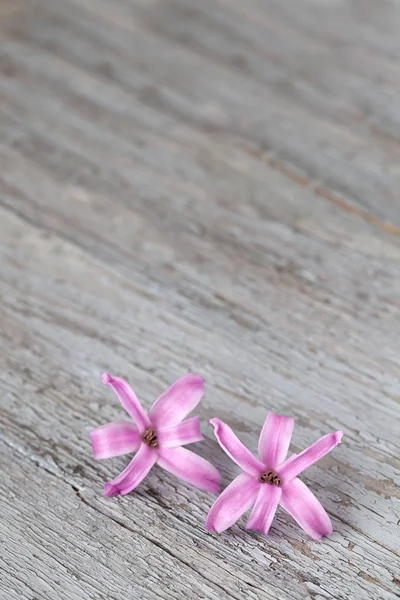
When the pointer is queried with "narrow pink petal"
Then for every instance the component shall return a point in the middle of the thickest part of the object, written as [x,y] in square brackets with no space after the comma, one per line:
[128,400]
[177,401]
[289,460]
[234,501]
[292,467]
[274,441]
[185,432]
[309,513]
[190,467]
[235,449]
[114,439]
[265,507]
[134,473]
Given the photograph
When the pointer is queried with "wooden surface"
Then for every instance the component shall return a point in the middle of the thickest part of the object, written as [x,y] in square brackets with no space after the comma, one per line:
[198,186]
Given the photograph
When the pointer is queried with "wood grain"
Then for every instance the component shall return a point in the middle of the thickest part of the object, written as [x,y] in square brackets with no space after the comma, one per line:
[207,187]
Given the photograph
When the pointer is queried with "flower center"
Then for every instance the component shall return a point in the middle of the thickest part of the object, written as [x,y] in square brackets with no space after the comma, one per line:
[270,477]
[150,438]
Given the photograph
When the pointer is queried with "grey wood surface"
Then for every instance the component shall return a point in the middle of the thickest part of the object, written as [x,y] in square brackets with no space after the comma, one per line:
[198,186]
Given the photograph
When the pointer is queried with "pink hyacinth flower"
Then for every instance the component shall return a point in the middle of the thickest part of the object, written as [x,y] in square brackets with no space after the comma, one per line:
[156,436]
[270,481]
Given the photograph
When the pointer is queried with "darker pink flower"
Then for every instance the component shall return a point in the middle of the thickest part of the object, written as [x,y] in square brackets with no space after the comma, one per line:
[270,481]
[156,436]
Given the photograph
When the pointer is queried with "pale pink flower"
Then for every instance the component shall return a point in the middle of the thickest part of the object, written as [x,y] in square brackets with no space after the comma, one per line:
[270,481]
[156,436]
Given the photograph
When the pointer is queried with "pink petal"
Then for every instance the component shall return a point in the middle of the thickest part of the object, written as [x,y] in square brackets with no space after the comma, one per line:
[177,401]
[235,449]
[292,467]
[309,513]
[114,439]
[234,501]
[185,432]
[274,441]
[190,467]
[134,473]
[128,400]
[289,460]
[265,507]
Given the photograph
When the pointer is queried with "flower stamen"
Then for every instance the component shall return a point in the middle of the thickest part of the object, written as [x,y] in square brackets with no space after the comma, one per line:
[150,438]
[271,478]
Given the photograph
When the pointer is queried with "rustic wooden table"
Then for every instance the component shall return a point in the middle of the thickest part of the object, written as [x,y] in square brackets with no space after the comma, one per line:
[206,186]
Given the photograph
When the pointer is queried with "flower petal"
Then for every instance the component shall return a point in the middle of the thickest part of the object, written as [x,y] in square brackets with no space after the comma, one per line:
[128,400]
[114,439]
[177,401]
[304,507]
[235,449]
[292,467]
[265,507]
[274,441]
[185,432]
[289,460]
[190,467]
[234,501]
[134,473]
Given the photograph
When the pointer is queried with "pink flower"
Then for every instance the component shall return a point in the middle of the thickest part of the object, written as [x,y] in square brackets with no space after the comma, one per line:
[156,436]
[270,481]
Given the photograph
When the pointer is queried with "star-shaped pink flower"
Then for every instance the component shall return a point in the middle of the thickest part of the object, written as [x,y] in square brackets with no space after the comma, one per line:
[156,436]
[270,481]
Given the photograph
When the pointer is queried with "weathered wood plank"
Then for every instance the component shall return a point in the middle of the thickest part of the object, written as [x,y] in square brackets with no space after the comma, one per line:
[353,157]
[66,549]
[198,187]
[82,324]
